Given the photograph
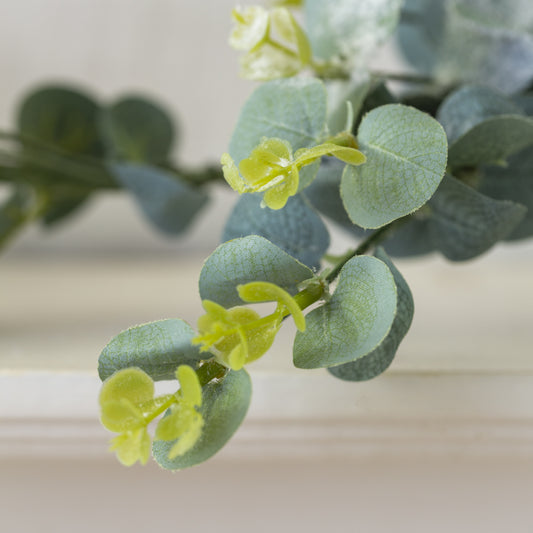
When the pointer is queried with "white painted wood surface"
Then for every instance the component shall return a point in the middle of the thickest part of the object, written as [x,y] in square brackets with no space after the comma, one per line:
[443,441]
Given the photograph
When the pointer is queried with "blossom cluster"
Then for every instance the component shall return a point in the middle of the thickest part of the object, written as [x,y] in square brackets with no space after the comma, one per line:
[128,405]
[274,43]
[272,168]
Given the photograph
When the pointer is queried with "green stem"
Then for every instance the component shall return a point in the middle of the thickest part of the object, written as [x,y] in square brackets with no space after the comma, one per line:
[310,295]
[371,241]
[162,408]
[403,77]
[23,207]
[328,70]
[316,290]
[206,373]
[201,176]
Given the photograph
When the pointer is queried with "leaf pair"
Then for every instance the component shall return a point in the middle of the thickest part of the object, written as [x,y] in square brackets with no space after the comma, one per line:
[271,168]
[470,41]
[72,147]
[405,149]
[159,348]
[354,322]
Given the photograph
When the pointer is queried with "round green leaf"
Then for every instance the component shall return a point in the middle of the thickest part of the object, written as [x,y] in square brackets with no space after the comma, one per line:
[354,91]
[471,105]
[354,321]
[492,141]
[525,102]
[349,28]
[158,348]
[411,239]
[324,192]
[297,230]
[291,109]
[224,406]
[137,129]
[406,159]
[465,223]
[241,261]
[513,182]
[61,117]
[483,126]
[379,359]
[167,201]
[489,42]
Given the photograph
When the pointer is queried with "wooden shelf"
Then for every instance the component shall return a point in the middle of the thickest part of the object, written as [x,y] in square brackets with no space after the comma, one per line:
[461,383]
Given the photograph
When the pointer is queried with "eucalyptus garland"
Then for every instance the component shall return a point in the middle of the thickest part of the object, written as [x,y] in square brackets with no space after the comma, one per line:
[441,160]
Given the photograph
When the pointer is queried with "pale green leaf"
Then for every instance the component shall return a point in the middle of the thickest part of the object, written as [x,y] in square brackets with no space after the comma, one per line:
[340,92]
[406,158]
[482,41]
[465,223]
[241,261]
[492,141]
[469,106]
[513,182]
[409,239]
[379,359]
[525,102]
[296,229]
[158,348]
[324,193]
[412,238]
[354,321]
[290,109]
[483,126]
[224,407]
[349,29]
[61,117]
[378,95]
[138,129]
[167,201]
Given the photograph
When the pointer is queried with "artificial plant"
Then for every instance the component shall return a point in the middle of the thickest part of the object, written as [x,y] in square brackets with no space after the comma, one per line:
[438,158]
[68,146]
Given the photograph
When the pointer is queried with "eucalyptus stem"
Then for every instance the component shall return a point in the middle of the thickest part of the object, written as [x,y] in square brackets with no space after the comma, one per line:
[162,408]
[316,291]
[403,77]
[208,174]
[329,70]
[371,241]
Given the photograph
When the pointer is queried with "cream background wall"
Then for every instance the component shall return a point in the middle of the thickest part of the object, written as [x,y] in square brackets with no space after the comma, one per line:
[173,50]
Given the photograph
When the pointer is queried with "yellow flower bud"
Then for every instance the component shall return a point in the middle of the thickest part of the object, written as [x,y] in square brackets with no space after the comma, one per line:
[236,336]
[271,168]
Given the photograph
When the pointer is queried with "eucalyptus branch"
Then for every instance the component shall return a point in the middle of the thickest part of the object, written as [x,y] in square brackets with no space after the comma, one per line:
[403,77]
[315,291]
[371,241]
[201,176]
